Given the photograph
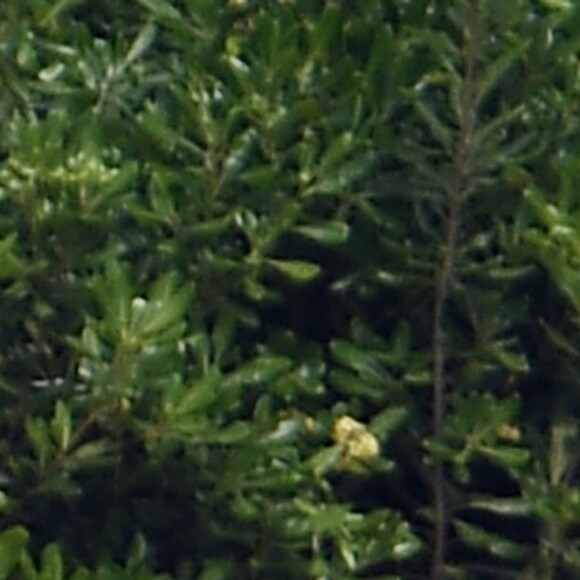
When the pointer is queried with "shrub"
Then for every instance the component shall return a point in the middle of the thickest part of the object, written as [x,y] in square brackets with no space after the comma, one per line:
[288,289]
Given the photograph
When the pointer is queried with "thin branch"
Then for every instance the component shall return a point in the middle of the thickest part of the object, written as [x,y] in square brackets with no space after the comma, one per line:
[456,194]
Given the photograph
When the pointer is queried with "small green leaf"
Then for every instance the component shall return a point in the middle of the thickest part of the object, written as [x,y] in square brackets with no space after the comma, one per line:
[61,426]
[92,454]
[56,9]
[9,263]
[27,568]
[560,341]
[38,434]
[328,519]
[164,314]
[198,397]
[161,9]
[548,213]
[163,288]
[114,293]
[329,234]
[12,545]
[365,363]
[141,44]
[4,502]
[418,377]
[557,4]
[90,345]
[82,574]
[495,71]
[507,456]
[256,291]
[338,181]
[509,273]
[138,552]
[407,548]
[383,424]
[155,128]
[328,32]
[338,151]
[325,460]
[504,506]
[345,547]
[262,369]
[223,331]
[515,362]
[296,270]
[442,133]
[278,481]
[261,178]
[235,433]
[494,544]
[287,431]
[52,565]
[349,383]
[218,570]
[210,228]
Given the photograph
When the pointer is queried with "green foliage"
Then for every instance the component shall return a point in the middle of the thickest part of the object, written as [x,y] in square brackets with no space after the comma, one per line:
[222,230]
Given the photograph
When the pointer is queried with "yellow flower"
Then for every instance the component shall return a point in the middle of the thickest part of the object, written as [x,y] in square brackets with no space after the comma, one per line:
[309,425]
[356,441]
[510,433]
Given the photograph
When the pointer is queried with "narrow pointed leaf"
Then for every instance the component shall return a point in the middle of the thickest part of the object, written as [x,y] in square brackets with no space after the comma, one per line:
[298,271]
[329,234]
[494,544]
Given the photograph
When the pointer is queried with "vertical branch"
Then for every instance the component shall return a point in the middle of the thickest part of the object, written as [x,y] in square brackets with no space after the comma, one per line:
[455,196]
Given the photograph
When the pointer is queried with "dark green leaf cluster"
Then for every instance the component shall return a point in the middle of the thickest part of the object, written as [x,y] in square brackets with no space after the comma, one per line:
[289,289]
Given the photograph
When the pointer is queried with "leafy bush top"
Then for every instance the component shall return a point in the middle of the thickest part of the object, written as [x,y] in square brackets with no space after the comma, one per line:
[289,289]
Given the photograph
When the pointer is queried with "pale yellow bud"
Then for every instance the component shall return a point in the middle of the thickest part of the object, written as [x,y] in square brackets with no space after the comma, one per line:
[509,433]
[356,441]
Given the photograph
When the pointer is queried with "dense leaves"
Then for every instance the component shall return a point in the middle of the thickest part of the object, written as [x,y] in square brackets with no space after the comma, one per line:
[241,246]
